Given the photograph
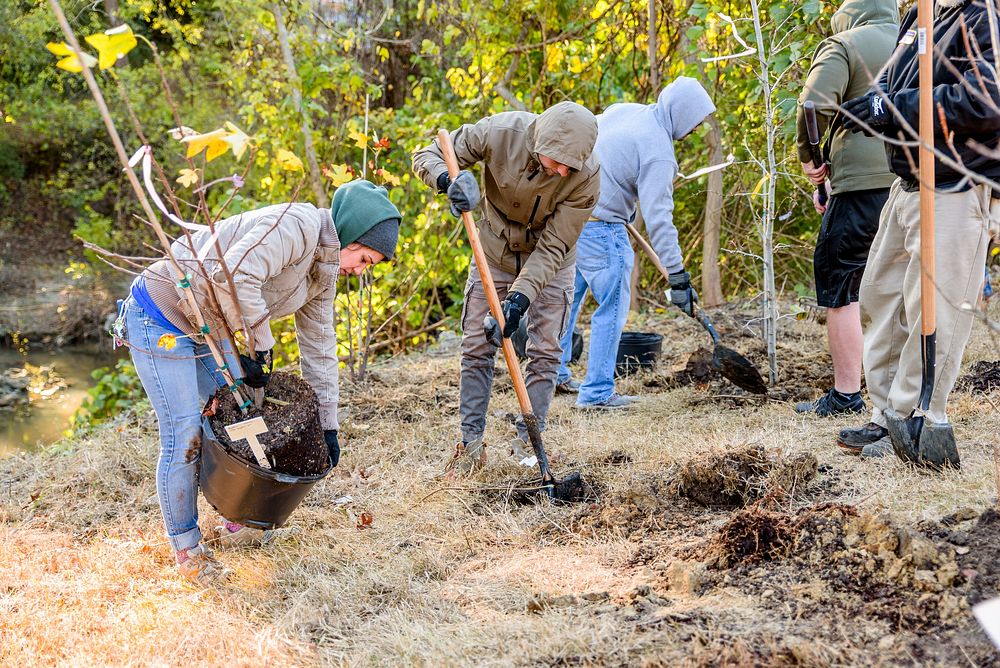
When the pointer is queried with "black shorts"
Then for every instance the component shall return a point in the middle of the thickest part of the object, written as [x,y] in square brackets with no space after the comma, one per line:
[846,235]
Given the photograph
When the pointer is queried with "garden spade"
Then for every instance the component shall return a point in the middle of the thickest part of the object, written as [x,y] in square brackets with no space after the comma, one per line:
[915,439]
[734,367]
[570,488]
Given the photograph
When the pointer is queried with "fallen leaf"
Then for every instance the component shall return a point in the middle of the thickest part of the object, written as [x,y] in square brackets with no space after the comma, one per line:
[188,177]
[69,61]
[365,521]
[112,44]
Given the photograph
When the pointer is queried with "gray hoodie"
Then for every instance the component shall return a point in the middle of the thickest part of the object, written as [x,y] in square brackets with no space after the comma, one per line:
[635,148]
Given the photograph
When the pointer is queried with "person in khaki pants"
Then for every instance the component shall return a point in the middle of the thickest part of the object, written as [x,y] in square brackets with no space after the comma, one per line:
[966,99]
[541,185]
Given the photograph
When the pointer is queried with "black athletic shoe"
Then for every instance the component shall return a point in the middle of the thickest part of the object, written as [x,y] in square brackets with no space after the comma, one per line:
[855,439]
[833,403]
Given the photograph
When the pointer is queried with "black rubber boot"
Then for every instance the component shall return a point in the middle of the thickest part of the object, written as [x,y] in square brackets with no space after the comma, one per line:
[856,438]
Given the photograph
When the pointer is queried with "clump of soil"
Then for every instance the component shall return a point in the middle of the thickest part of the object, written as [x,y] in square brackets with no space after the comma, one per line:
[754,534]
[734,478]
[983,377]
[294,441]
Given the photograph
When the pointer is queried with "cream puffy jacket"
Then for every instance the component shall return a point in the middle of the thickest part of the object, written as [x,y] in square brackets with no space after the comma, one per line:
[279,269]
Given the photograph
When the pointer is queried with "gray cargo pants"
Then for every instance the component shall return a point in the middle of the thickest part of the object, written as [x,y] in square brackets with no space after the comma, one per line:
[547,318]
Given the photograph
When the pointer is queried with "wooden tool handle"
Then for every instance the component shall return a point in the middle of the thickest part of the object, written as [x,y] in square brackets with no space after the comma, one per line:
[925,24]
[513,365]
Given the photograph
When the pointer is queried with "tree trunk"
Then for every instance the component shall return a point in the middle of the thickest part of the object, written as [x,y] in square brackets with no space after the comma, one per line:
[654,69]
[111,8]
[315,179]
[711,278]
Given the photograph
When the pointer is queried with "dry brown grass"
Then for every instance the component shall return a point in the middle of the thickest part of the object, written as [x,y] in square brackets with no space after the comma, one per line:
[448,574]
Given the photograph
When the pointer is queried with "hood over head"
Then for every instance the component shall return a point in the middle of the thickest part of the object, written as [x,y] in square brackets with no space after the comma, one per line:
[682,106]
[565,132]
[854,13]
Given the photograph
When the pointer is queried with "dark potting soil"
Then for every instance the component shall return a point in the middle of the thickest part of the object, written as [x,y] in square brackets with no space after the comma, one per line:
[294,439]
[982,378]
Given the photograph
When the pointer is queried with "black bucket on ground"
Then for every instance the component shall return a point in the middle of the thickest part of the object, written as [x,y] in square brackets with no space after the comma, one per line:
[637,350]
[246,493]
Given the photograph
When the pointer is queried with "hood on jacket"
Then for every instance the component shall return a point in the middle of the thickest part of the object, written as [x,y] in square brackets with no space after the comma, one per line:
[854,13]
[565,132]
[682,106]
[359,206]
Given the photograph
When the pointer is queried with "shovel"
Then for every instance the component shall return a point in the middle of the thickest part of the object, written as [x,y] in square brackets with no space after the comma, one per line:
[927,443]
[571,488]
[734,367]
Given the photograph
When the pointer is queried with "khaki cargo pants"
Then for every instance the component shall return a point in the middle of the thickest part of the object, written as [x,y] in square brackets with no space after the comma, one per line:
[890,295]
[547,316]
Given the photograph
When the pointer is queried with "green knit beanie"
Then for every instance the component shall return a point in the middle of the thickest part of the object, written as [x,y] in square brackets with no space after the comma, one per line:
[359,206]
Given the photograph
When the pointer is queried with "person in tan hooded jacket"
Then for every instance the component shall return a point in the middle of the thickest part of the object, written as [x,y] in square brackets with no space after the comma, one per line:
[542,183]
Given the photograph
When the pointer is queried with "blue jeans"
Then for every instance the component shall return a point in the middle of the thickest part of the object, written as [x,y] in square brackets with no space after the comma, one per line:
[604,261]
[178,383]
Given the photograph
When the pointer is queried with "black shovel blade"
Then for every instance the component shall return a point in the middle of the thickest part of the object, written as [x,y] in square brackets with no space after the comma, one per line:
[738,370]
[937,448]
[570,489]
[904,434]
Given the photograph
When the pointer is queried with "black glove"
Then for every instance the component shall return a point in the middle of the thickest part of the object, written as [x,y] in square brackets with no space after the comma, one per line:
[871,109]
[256,372]
[463,192]
[332,445]
[682,295]
[515,306]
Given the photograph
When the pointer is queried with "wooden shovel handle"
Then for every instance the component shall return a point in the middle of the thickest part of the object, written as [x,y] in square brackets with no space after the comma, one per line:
[928,316]
[513,365]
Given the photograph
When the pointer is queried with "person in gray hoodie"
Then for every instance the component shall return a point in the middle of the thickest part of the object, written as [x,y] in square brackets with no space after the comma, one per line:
[635,146]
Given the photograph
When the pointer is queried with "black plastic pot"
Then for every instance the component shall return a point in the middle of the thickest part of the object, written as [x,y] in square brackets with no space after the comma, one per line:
[246,493]
[637,350]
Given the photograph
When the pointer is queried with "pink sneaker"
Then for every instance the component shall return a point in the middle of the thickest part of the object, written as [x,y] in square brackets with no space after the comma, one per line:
[198,565]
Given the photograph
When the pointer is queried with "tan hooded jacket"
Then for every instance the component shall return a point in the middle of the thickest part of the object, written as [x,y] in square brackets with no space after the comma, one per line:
[530,220]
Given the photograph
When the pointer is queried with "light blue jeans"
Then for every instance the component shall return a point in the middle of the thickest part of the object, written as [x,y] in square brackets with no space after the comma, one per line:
[604,261]
[178,383]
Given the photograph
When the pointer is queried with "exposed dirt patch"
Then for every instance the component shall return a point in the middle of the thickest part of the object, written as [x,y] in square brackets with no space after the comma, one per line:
[982,378]
[294,440]
[734,478]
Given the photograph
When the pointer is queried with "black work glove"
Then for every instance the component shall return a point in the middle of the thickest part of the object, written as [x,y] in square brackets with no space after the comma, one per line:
[513,307]
[463,191]
[332,445]
[682,295]
[257,371]
[871,109]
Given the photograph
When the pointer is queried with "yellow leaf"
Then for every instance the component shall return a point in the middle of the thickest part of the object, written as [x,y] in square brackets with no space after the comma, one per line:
[289,160]
[8,119]
[237,140]
[388,178]
[69,61]
[214,141]
[188,177]
[167,342]
[339,175]
[760,184]
[360,139]
[112,44]
[995,251]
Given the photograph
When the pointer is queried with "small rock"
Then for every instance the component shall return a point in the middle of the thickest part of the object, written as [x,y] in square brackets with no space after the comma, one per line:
[596,596]
[686,577]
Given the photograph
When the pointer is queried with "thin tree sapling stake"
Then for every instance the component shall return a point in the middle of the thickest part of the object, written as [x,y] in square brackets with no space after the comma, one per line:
[183,279]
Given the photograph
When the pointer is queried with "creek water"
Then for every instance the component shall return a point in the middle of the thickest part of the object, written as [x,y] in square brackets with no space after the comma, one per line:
[44,419]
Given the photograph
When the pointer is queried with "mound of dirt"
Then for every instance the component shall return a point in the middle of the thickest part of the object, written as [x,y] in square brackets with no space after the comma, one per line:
[294,440]
[734,478]
[982,378]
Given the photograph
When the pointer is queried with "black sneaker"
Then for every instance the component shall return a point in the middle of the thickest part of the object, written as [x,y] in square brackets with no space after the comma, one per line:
[855,439]
[833,403]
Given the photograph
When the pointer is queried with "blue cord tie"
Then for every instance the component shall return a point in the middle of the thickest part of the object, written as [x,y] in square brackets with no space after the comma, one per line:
[246,405]
[185,282]
[224,366]
[236,383]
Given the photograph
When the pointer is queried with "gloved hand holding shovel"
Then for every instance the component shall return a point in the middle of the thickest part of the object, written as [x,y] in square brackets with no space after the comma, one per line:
[513,308]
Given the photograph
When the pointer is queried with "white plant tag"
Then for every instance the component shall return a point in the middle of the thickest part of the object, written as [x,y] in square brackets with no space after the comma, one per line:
[530,462]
